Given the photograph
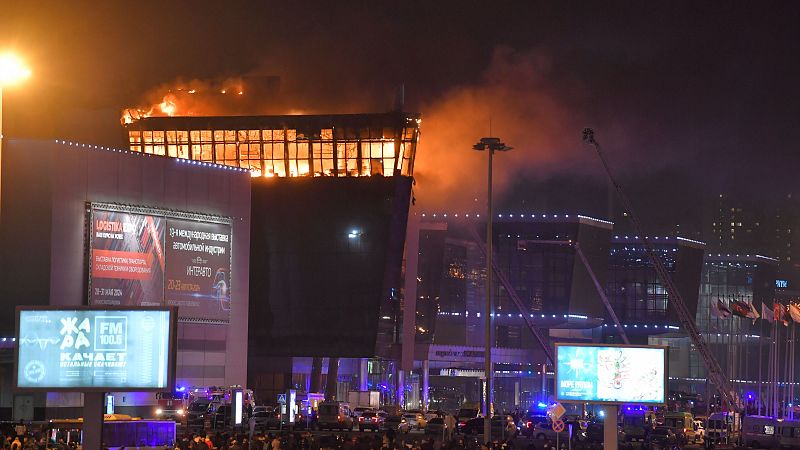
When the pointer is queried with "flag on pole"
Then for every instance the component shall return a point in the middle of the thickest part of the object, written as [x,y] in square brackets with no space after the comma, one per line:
[723,310]
[739,308]
[794,311]
[715,312]
[753,314]
[780,313]
[767,313]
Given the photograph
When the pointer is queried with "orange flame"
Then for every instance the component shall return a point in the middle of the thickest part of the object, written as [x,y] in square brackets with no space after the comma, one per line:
[168,106]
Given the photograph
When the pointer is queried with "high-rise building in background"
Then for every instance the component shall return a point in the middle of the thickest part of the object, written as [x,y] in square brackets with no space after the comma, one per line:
[764,226]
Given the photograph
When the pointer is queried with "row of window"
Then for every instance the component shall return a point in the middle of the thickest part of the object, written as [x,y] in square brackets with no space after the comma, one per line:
[285,153]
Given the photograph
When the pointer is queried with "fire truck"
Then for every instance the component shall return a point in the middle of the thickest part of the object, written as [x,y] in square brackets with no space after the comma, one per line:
[172,405]
[212,407]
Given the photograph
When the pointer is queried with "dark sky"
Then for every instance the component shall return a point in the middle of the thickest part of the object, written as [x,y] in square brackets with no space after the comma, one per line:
[689,98]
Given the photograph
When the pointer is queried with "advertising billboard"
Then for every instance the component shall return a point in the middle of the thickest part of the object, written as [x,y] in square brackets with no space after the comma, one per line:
[198,268]
[148,257]
[127,259]
[612,374]
[89,349]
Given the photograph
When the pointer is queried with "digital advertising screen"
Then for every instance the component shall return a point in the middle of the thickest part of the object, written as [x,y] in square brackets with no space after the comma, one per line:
[127,259]
[147,257]
[89,349]
[198,268]
[613,374]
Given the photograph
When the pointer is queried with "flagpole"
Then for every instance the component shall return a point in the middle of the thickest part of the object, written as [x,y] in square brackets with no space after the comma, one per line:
[777,372]
[790,387]
[771,371]
[760,356]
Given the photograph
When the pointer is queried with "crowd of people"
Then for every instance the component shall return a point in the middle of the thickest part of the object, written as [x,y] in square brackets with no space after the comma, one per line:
[345,441]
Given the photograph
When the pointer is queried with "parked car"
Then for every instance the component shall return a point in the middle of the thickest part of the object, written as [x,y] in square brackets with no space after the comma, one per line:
[435,426]
[594,433]
[396,423]
[415,420]
[370,421]
[266,419]
[526,424]
[544,430]
[682,424]
[357,412]
[501,426]
[663,437]
[334,415]
[463,416]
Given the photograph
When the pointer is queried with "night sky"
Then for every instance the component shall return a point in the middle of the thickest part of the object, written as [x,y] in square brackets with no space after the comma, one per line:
[689,98]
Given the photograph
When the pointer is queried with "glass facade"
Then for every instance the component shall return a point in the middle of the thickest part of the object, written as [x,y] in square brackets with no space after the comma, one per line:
[734,340]
[633,286]
[286,146]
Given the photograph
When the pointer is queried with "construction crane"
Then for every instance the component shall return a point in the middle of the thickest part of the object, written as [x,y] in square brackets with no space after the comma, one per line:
[714,370]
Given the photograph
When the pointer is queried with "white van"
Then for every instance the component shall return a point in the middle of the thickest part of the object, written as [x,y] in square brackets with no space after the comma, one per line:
[788,433]
[759,431]
[722,428]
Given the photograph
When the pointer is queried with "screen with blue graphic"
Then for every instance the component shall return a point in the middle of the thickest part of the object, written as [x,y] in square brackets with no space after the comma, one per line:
[611,374]
[80,349]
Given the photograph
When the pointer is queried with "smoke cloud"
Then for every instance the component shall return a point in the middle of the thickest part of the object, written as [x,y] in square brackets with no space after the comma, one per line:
[520,97]
[528,107]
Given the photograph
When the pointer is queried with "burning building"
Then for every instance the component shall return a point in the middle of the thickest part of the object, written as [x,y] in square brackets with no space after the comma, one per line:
[329,203]
[313,210]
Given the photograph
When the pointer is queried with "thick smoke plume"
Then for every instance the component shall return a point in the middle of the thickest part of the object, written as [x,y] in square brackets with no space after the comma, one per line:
[527,108]
[519,97]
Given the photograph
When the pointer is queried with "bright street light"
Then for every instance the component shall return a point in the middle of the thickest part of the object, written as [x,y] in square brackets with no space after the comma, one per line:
[12,71]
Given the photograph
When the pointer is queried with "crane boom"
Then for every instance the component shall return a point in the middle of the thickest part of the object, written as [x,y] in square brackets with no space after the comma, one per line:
[512,293]
[597,286]
[713,369]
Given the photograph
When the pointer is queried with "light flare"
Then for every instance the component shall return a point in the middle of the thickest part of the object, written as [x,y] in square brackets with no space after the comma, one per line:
[12,69]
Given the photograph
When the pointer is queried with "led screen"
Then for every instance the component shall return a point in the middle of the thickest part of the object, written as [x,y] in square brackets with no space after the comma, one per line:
[154,258]
[93,349]
[198,268]
[127,259]
[611,374]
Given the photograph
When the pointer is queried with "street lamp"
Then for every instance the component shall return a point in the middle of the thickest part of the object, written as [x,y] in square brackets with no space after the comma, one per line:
[12,71]
[492,144]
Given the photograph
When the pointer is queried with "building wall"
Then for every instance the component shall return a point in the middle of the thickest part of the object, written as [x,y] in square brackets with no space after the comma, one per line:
[46,188]
[326,272]
[734,340]
[538,261]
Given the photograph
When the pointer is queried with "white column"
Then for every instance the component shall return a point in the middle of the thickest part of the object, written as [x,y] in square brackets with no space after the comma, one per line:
[425,384]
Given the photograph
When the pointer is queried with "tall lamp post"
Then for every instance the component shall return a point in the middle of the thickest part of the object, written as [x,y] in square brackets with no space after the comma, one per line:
[12,71]
[491,144]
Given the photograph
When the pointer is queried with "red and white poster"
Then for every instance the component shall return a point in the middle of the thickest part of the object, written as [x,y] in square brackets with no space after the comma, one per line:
[127,259]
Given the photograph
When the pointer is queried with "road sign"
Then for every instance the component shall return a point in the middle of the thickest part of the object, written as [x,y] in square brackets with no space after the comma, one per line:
[558,426]
[282,399]
[556,411]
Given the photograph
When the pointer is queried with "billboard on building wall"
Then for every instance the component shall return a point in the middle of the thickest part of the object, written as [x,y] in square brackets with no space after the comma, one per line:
[612,374]
[198,269]
[147,257]
[85,349]
[127,259]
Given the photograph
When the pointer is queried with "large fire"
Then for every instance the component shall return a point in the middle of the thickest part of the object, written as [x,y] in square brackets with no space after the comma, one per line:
[195,98]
